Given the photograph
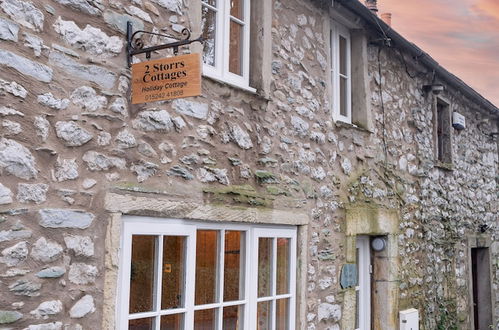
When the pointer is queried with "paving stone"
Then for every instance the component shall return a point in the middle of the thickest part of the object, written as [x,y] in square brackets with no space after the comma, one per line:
[191,108]
[14,255]
[46,250]
[51,272]
[66,169]
[45,326]
[10,127]
[86,97]
[24,13]
[10,235]
[118,22]
[90,39]
[172,5]
[90,7]
[125,139]
[72,134]
[8,30]
[47,309]
[50,101]
[5,196]
[64,218]
[99,162]
[80,273]
[144,170]
[152,120]
[25,66]
[13,88]
[180,171]
[25,288]
[81,245]
[7,317]
[12,272]
[42,127]
[240,137]
[82,307]
[36,193]
[35,43]
[97,74]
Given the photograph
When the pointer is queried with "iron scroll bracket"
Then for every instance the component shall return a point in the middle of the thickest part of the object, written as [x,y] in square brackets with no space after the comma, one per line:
[135,46]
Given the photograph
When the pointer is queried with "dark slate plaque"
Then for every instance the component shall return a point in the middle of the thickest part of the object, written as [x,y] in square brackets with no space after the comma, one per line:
[348,276]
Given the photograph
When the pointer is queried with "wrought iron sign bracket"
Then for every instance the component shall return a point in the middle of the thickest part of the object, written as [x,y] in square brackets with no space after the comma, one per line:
[135,46]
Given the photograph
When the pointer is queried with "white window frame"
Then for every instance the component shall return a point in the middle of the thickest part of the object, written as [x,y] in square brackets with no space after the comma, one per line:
[364,285]
[220,71]
[336,31]
[138,225]
[273,233]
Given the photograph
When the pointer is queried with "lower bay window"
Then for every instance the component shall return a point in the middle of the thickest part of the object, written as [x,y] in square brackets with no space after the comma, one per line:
[178,274]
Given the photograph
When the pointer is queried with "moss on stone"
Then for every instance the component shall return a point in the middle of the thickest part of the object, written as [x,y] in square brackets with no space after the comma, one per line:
[130,186]
[239,194]
[267,161]
[265,177]
[276,191]
[7,317]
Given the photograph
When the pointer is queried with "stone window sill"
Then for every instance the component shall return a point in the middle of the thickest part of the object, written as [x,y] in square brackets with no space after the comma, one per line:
[342,124]
[445,166]
[249,90]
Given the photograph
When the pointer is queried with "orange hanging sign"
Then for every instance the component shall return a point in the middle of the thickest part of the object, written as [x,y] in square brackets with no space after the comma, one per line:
[166,79]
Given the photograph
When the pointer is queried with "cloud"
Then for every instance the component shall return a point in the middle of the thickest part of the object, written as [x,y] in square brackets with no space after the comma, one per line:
[463,36]
[488,8]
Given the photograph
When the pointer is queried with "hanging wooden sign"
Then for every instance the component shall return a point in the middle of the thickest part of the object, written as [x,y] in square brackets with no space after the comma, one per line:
[166,79]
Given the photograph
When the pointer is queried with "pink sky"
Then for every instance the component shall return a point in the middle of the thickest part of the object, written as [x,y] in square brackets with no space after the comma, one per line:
[462,35]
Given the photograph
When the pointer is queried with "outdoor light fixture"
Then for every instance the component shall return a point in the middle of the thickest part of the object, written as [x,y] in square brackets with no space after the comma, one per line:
[378,244]
[434,88]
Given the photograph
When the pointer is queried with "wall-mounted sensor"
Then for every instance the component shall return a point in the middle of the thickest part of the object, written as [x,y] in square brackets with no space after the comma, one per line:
[434,88]
[378,244]
[458,121]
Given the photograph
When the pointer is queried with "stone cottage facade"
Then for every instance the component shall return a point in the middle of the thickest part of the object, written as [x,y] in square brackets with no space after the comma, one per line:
[317,182]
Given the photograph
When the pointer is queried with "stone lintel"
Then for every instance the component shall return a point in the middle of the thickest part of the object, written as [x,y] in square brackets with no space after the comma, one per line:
[370,220]
[479,241]
[192,210]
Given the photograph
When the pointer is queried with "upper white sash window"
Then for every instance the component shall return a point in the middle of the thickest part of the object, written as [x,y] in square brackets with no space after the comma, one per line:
[341,81]
[226,29]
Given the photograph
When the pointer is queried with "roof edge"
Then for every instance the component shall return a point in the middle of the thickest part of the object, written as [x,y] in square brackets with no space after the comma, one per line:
[361,10]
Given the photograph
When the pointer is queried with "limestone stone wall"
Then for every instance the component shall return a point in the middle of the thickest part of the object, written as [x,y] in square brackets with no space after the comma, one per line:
[69,137]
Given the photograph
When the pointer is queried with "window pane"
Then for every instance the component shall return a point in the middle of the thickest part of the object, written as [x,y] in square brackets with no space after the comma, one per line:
[234,265]
[282,265]
[357,307]
[142,273]
[263,317]
[282,314]
[141,324]
[172,322]
[173,272]
[237,9]
[236,48]
[233,318]
[332,50]
[206,266]
[343,97]
[211,2]
[264,266]
[205,319]
[209,26]
[343,55]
